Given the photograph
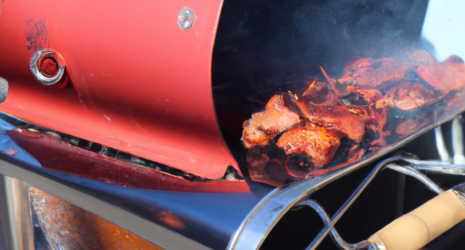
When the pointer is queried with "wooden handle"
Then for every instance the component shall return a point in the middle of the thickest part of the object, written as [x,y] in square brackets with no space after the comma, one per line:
[422,225]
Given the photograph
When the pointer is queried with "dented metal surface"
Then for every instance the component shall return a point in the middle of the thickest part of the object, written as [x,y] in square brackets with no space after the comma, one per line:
[65,153]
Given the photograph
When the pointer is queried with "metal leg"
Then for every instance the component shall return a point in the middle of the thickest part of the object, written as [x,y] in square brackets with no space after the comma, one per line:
[15,214]
[4,218]
[407,170]
[330,222]
[442,150]
[437,167]
[333,233]
[457,141]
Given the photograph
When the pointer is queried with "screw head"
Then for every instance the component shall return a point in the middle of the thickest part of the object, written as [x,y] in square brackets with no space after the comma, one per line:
[186,19]
[47,66]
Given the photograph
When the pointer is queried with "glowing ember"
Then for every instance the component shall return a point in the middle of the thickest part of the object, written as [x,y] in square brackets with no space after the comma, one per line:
[333,125]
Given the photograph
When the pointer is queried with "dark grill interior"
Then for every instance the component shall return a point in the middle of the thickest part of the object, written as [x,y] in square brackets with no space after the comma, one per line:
[266,47]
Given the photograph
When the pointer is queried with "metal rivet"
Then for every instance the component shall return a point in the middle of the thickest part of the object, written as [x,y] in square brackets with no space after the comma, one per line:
[47,66]
[186,19]
[3,89]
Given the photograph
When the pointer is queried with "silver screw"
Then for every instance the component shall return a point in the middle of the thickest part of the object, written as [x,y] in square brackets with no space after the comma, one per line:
[35,65]
[186,19]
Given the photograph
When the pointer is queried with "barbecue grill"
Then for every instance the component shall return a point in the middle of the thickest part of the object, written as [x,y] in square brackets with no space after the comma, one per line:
[129,116]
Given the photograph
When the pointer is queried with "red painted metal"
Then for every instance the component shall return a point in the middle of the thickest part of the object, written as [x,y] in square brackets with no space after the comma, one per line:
[138,83]
[52,153]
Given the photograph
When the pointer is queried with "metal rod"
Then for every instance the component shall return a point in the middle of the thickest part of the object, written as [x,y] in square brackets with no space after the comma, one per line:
[19,215]
[265,215]
[346,205]
[400,194]
[329,225]
[407,170]
[341,243]
[437,167]
[440,145]
[457,141]
[4,218]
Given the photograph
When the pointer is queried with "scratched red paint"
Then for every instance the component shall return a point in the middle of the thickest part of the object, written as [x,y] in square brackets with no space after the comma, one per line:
[37,38]
[12,151]
[171,220]
[60,156]
[138,83]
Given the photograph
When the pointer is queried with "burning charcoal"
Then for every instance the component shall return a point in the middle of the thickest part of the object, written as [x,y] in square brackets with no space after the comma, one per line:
[256,157]
[320,94]
[273,151]
[300,136]
[409,127]
[431,79]
[317,142]
[267,124]
[410,96]
[446,76]
[332,114]
[384,72]
[299,165]
[370,73]
[368,95]
[276,173]
[337,118]
[275,100]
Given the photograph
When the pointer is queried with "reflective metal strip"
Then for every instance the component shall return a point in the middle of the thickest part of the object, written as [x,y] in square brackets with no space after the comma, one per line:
[19,213]
[161,236]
